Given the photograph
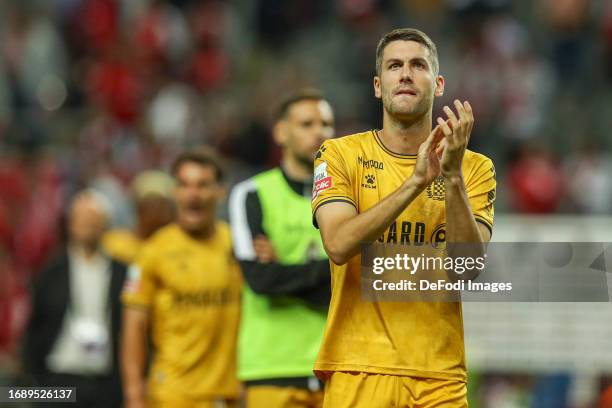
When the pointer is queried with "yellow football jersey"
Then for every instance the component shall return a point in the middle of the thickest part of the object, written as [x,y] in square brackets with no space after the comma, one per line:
[192,290]
[421,339]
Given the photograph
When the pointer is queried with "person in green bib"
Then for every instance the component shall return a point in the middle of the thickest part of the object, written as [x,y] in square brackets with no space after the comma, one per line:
[285,301]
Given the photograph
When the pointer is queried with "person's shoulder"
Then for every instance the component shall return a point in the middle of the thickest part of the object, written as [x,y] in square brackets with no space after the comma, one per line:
[121,244]
[223,233]
[354,140]
[477,163]
[119,234]
[477,159]
[346,148]
[264,173]
[57,263]
[242,192]
[162,236]
[249,183]
[274,175]
[222,227]
[158,244]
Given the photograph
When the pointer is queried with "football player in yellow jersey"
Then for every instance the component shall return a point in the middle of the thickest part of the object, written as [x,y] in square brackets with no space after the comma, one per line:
[184,288]
[404,184]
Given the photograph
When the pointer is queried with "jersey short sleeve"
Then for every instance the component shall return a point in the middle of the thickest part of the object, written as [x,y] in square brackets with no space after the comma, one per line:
[331,178]
[140,284]
[481,192]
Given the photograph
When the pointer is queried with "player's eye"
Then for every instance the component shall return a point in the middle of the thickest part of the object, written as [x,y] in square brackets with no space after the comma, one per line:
[419,64]
[394,65]
[307,123]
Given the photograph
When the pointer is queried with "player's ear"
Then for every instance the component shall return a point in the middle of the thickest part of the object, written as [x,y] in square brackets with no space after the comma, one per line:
[377,91]
[279,132]
[439,91]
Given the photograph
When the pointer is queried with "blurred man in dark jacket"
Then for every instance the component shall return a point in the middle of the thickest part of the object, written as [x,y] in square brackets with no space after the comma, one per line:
[71,340]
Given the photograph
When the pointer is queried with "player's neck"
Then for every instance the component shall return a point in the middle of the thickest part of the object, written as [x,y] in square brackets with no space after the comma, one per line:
[402,136]
[295,169]
[199,234]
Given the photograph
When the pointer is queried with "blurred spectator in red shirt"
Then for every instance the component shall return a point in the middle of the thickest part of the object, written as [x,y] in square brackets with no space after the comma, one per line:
[536,182]
[98,23]
[115,87]
[31,189]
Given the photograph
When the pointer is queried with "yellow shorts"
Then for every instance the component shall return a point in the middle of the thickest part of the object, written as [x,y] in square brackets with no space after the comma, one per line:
[356,389]
[267,396]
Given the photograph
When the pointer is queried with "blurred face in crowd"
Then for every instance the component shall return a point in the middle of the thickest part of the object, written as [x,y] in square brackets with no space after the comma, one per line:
[307,124]
[197,193]
[407,82]
[87,221]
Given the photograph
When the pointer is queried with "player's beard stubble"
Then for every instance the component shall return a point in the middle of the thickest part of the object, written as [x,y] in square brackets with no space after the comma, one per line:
[404,110]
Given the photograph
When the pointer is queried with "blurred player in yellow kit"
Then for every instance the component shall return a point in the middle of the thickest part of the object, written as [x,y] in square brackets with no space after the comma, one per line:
[152,195]
[185,287]
[403,184]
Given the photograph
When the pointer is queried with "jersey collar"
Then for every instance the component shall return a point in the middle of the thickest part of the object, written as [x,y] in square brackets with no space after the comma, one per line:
[391,153]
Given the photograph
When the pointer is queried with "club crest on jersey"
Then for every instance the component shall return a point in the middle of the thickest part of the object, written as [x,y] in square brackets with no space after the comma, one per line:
[436,189]
[370,181]
[322,181]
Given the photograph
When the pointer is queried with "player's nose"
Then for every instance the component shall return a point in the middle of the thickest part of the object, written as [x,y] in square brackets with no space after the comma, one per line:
[406,75]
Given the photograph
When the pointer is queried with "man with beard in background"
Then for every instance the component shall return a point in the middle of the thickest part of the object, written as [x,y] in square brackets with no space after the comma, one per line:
[185,288]
[284,263]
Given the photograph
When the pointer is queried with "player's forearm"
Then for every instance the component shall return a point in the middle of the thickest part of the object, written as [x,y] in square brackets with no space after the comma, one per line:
[462,233]
[461,225]
[133,358]
[345,241]
[274,278]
